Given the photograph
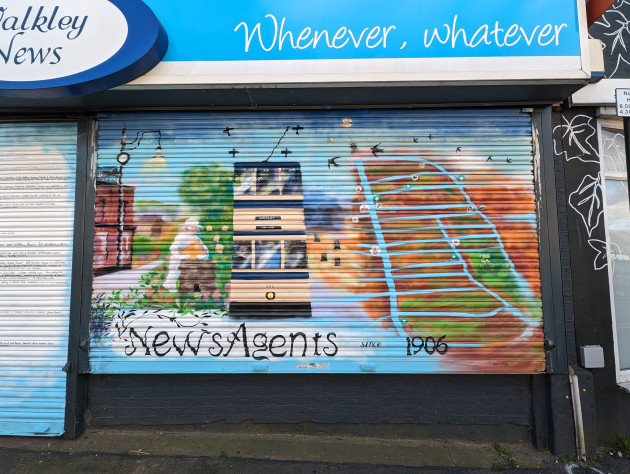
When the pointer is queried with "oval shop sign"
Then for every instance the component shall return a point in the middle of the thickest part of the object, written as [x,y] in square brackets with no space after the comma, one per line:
[58,48]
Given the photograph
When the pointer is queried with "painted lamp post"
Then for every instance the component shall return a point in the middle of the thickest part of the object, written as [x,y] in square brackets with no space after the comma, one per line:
[122,158]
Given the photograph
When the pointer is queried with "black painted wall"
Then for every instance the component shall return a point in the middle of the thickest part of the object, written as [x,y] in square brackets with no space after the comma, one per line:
[576,151]
[612,29]
[479,407]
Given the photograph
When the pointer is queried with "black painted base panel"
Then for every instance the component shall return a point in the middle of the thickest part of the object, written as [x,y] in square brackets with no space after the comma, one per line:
[480,407]
[270,310]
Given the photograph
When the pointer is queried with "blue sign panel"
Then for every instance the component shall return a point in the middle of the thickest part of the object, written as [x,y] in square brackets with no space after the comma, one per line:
[56,49]
[373,29]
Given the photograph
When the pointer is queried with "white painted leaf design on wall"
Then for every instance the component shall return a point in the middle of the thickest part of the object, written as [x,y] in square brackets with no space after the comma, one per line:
[601,259]
[616,31]
[587,201]
[582,139]
[613,29]
[620,62]
[575,139]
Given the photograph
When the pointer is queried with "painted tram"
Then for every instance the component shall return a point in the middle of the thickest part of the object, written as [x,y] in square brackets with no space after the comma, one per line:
[270,275]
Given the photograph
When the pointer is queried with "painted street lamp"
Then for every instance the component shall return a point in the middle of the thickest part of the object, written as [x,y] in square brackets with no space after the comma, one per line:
[122,158]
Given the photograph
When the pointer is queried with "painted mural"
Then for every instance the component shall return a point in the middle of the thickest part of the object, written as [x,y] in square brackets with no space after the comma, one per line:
[348,241]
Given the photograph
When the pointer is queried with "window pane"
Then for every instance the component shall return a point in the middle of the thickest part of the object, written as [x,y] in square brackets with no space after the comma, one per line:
[267,182]
[242,258]
[614,151]
[291,181]
[295,254]
[244,180]
[268,254]
[619,228]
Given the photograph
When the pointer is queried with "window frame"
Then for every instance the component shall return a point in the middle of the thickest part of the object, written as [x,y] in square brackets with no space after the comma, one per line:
[615,123]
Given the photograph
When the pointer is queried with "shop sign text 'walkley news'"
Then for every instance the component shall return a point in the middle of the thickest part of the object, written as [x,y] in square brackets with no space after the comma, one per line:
[52,48]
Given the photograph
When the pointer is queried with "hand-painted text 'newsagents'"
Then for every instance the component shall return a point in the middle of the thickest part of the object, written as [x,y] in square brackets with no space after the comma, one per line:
[259,346]
[274,33]
[37,20]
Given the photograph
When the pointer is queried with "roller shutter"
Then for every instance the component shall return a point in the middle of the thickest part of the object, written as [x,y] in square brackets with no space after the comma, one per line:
[37,194]
[316,241]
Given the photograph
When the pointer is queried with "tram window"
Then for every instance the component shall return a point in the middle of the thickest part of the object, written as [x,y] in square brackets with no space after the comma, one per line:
[244,181]
[242,258]
[291,179]
[267,182]
[268,254]
[295,254]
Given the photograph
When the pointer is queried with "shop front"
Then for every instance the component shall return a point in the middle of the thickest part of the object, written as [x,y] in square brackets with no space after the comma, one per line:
[595,167]
[328,214]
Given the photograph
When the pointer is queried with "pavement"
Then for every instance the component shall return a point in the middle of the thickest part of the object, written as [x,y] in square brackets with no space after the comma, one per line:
[158,450]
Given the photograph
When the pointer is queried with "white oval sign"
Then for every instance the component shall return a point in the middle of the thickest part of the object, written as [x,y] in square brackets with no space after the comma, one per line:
[49,39]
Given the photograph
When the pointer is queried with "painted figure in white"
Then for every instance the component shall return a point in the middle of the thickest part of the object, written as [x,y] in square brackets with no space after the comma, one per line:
[186,246]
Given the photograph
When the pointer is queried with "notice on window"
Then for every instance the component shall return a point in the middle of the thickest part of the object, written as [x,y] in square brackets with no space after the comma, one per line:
[623,102]
[37,194]
[37,181]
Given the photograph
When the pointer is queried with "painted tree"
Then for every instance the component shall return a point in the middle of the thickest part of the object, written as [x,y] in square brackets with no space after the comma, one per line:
[208,191]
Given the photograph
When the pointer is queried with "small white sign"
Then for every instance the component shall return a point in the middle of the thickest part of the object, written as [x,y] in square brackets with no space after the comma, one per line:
[623,102]
[313,365]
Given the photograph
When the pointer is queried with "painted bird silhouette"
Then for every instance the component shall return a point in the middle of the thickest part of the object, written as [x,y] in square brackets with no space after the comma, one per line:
[333,161]
[375,149]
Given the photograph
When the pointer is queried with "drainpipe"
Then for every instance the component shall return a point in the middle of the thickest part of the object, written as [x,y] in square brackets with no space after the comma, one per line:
[580,445]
